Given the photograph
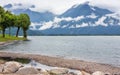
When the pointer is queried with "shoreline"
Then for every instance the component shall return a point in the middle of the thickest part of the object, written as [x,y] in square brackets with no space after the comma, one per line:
[2,44]
[89,67]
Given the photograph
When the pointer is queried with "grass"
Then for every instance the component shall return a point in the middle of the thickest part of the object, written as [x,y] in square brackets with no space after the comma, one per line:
[10,38]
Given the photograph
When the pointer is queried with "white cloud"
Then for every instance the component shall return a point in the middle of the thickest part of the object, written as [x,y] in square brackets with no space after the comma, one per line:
[56,6]
[68,19]
[46,25]
[60,6]
[55,23]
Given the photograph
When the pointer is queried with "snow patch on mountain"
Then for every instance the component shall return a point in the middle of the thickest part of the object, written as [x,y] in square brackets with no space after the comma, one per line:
[93,8]
[75,5]
[68,19]
[56,21]
[46,25]
[101,21]
[82,25]
[93,16]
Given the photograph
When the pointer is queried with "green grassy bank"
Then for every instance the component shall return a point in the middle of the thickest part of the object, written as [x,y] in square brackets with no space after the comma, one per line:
[10,38]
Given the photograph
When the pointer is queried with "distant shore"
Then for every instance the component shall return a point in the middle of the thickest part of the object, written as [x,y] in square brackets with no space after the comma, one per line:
[89,67]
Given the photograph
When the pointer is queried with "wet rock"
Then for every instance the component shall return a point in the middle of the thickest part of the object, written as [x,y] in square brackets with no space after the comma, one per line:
[27,70]
[98,73]
[58,71]
[11,67]
[84,73]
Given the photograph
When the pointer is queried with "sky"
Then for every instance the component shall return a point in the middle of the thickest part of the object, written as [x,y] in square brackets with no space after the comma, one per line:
[60,6]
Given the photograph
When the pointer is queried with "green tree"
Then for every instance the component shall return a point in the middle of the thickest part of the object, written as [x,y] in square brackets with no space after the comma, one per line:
[2,12]
[18,23]
[25,23]
[7,22]
[0,22]
[10,20]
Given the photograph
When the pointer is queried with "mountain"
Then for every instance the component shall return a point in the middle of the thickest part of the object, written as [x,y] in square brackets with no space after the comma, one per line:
[84,19]
[34,16]
[84,10]
[80,19]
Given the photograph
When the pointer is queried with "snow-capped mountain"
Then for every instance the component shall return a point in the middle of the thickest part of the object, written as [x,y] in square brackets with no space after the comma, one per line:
[83,19]
[79,19]
[85,9]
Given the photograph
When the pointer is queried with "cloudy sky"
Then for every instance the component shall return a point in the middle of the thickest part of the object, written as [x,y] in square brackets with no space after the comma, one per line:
[59,6]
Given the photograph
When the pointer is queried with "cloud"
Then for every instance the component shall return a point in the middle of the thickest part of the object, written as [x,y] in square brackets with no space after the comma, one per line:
[113,5]
[56,6]
[56,21]
[60,6]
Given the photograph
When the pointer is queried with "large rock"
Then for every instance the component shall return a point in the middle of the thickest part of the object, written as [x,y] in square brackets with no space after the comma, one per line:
[11,67]
[58,71]
[27,70]
[98,73]
[85,73]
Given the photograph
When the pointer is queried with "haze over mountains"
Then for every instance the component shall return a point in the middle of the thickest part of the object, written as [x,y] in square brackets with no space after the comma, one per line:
[79,19]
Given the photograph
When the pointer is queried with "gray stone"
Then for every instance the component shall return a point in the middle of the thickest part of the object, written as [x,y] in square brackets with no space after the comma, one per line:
[11,67]
[98,73]
[27,70]
[58,71]
[85,73]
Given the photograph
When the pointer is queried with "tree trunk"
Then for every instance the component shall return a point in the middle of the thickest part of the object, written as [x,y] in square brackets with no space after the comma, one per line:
[3,33]
[9,31]
[25,33]
[17,31]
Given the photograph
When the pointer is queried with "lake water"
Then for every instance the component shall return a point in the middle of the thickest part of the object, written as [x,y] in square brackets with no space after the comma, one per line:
[101,49]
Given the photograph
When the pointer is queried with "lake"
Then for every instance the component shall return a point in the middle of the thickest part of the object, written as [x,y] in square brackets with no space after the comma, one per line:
[101,49]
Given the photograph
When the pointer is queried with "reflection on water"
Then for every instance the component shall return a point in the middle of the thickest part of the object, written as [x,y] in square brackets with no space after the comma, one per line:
[103,49]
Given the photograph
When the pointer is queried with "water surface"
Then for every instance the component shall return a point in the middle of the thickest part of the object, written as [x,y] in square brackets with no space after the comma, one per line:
[101,49]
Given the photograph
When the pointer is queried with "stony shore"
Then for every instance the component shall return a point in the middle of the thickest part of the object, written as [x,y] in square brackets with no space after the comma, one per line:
[82,66]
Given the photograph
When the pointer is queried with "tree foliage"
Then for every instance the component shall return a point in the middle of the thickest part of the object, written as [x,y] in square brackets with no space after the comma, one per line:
[25,22]
[8,20]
